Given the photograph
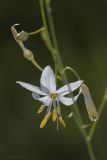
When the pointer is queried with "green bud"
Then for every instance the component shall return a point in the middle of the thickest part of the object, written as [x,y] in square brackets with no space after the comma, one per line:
[28,54]
[23,36]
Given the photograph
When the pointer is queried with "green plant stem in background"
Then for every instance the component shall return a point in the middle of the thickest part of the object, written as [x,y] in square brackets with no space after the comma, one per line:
[51,25]
[88,143]
[101,108]
[58,63]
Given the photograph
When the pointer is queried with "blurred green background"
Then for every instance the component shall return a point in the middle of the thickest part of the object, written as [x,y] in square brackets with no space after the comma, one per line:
[81,28]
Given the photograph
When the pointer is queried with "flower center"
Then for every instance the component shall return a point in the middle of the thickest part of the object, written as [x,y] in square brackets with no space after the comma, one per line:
[53,95]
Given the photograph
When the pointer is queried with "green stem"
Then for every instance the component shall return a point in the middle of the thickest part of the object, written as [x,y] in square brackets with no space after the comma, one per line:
[101,108]
[58,62]
[50,47]
[57,58]
[87,142]
[71,69]
[36,65]
[51,25]
[37,31]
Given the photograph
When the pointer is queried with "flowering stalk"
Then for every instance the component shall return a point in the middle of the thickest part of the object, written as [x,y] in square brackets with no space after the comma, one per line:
[55,53]
[50,96]
[37,31]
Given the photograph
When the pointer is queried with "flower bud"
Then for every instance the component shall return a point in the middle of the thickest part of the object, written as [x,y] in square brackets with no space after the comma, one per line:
[28,54]
[23,36]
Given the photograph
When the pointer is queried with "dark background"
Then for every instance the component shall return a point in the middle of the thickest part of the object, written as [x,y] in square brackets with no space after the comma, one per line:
[81,28]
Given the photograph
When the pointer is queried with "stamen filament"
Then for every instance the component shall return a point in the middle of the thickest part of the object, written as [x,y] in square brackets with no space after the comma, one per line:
[58,110]
[62,121]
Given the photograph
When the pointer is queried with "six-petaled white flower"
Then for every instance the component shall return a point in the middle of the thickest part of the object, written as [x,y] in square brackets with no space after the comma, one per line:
[50,96]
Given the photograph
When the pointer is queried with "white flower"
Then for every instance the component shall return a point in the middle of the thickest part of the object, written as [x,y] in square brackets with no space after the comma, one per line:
[50,97]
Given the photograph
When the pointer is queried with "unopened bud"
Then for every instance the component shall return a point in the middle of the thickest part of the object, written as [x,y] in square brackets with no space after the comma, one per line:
[23,36]
[28,54]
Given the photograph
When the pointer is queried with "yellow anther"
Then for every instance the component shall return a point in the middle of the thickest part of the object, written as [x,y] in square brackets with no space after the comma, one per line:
[62,121]
[44,121]
[41,109]
[54,115]
[48,116]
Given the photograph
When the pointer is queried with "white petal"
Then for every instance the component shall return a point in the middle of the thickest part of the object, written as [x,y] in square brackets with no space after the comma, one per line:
[69,101]
[35,95]
[47,80]
[45,100]
[69,88]
[31,88]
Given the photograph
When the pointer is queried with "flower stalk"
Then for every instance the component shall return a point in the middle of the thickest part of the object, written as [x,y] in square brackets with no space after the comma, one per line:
[58,63]
[26,52]
[48,82]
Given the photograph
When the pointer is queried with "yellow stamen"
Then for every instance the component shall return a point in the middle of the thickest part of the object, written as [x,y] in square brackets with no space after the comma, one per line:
[48,116]
[54,115]
[62,121]
[41,109]
[44,121]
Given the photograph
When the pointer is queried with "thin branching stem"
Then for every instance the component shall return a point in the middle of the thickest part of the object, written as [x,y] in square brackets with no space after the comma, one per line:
[36,65]
[58,63]
[55,52]
[84,135]
[36,32]
[72,70]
